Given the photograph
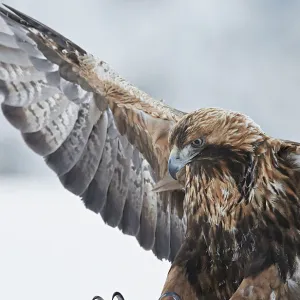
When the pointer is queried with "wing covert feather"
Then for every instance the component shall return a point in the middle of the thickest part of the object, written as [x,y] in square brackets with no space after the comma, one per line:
[105,139]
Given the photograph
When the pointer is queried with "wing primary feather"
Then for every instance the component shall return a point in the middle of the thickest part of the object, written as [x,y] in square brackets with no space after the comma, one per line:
[148,222]
[48,139]
[14,56]
[37,115]
[162,234]
[68,154]
[16,74]
[118,189]
[8,15]
[95,197]
[130,223]
[25,93]
[43,65]
[8,41]
[30,22]
[80,176]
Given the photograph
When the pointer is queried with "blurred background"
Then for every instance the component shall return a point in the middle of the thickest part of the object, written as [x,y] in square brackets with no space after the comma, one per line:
[241,55]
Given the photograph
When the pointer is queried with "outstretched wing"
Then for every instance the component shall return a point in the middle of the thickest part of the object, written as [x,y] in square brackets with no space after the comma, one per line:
[105,139]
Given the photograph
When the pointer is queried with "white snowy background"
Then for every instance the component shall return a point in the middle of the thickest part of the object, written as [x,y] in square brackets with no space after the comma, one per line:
[242,55]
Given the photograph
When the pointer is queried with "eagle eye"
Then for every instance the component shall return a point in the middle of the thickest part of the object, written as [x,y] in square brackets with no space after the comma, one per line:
[197,143]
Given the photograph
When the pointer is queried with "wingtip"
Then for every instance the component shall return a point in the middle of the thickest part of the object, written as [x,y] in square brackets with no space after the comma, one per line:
[11,13]
[9,7]
[28,21]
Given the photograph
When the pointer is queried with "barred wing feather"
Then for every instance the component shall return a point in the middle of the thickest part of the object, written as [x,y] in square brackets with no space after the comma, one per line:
[105,139]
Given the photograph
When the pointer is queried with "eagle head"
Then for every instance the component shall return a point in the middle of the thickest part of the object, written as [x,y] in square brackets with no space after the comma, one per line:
[211,136]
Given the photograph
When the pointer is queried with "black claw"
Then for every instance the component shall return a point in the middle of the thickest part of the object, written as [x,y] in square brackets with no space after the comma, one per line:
[170,294]
[119,296]
[115,296]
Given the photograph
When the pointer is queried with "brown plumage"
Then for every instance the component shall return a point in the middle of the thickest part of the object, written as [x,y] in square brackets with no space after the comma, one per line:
[266,283]
[226,207]
[242,205]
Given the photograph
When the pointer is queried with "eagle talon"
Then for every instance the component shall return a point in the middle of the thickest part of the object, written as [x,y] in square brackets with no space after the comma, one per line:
[170,294]
[115,296]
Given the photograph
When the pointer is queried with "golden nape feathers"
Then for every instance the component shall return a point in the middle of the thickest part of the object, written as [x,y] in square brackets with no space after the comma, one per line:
[208,191]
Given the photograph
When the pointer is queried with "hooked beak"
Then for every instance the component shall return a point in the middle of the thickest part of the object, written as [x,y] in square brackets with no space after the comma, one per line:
[177,160]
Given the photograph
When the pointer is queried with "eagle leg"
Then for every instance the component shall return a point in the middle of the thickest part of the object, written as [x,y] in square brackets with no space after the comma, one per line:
[177,286]
[262,286]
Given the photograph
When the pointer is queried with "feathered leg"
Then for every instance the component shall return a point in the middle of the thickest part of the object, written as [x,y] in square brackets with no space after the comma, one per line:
[266,285]
[178,283]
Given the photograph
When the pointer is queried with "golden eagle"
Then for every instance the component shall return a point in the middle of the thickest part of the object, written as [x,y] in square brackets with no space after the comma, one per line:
[207,190]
